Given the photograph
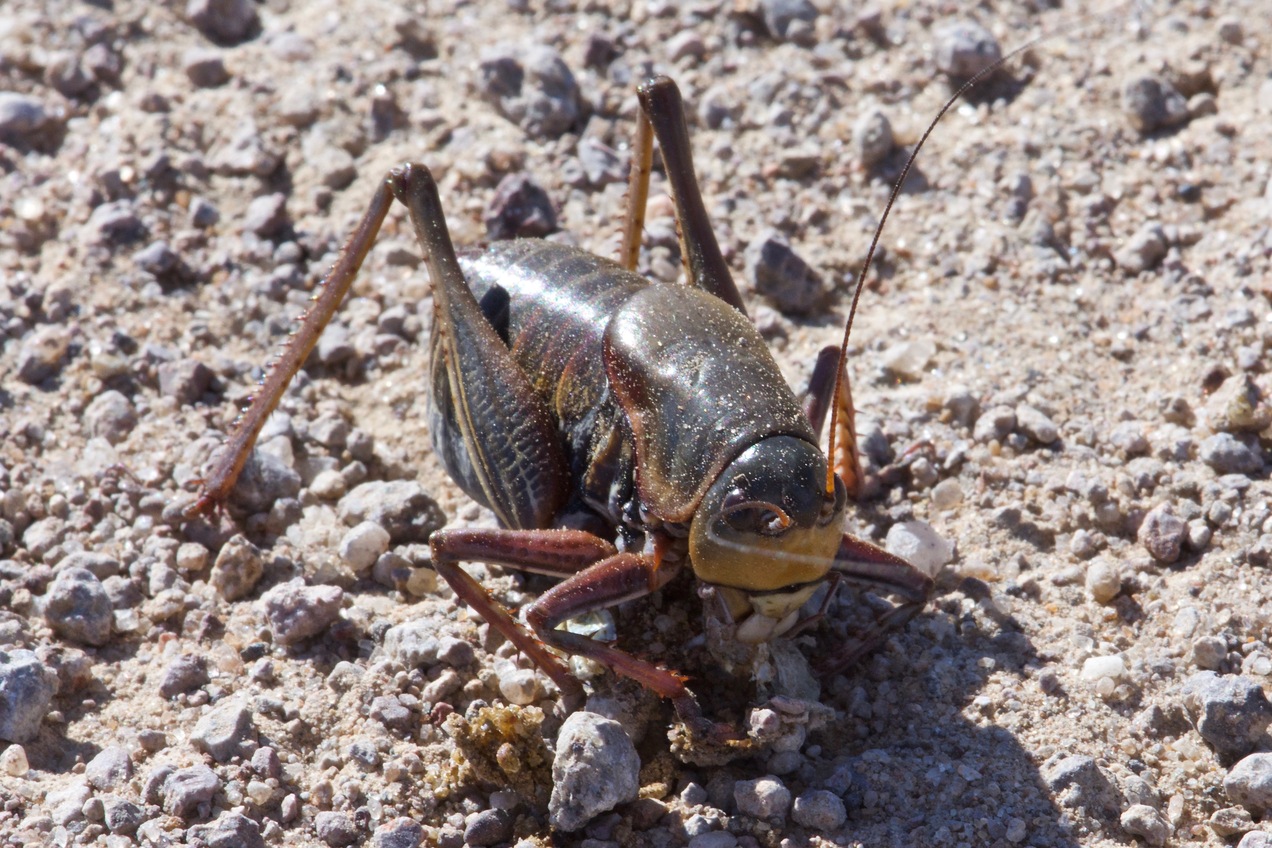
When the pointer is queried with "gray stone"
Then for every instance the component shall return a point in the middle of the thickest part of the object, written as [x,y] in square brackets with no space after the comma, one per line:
[265,479]
[873,138]
[184,674]
[224,21]
[230,830]
[186,380]
[78,608]
[122,816]
[1035,424]
[596,769]
[295,611]
[1227,454]
[764,798]
[205,67]
[1230,712]
[402,507]
[27,688]
[43,353]
[964,49]
[488,828]
[22,118]
[1250,784]
[1162,533]
[335,829]
[399,833]
[1144,250]
[519,208]
[1151,103]
[778,273]
[997,422]
[111,416]
[222,731]
[819,809]
[186,790]
[110,769]
[267,215]
[1077,781]
[238,568]
[115,223]
[414,644]
[1144,821]
[532,87]
[789,20]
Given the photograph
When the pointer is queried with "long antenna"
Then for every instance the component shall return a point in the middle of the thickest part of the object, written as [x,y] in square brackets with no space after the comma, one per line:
[975,80]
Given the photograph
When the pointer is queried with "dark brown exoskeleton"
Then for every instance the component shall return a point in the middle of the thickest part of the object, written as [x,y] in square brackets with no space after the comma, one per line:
[619,428]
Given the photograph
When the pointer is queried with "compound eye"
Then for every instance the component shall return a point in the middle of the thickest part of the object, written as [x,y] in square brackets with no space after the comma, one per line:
[834,504]
[749,516]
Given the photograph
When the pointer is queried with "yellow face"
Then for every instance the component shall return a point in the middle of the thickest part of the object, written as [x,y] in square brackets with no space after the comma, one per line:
[755,562]
[767,522]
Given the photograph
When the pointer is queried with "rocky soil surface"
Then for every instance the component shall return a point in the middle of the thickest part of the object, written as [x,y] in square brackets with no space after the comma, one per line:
[1066,340]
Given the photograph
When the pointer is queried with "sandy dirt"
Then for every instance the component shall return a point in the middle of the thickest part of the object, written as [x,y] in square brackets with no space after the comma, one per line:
[1066,332]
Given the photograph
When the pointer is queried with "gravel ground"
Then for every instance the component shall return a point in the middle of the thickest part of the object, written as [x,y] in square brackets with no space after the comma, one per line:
[1070,319]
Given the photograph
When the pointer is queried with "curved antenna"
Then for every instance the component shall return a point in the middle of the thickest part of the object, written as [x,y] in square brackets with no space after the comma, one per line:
[975,80]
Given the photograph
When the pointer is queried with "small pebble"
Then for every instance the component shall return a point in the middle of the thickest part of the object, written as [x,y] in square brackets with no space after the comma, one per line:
[818,809]
[111,416]
[1036,425]
[185,380]
[42,354]
[1144,250]
[13,760]
[27,687]
[789,20]
[909,360]
[774,270]
[22,118]
[115,223]
[1229,711]
[230,828]
[184,674]
[964,49]
[1144,821]
[872,138]
[1162,533]
[222,731]
[363,544]
[1209,652]
[994,423]
[920,545]
[1103,582]
[763,798]
[121,816]
[947,494]
[267,215]
[531,86]
[186,789]
[1151,103]
[78,608]
[336,829]
[205,67]
[402,507]
[1250,784]
[223,21]
[295,611]
[1231,821]
[109,769]
[238,568]
[519,208]
[596,768]
[488,827]
[1095,668]
[713,839]
[1226,454]
[398,833]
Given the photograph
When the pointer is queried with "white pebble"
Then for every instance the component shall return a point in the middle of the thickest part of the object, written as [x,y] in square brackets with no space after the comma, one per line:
[362,545]
[947,494]
[909,360]
[1096,668]
[920,545]
[1102,581]
[13,761]
[519,686]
